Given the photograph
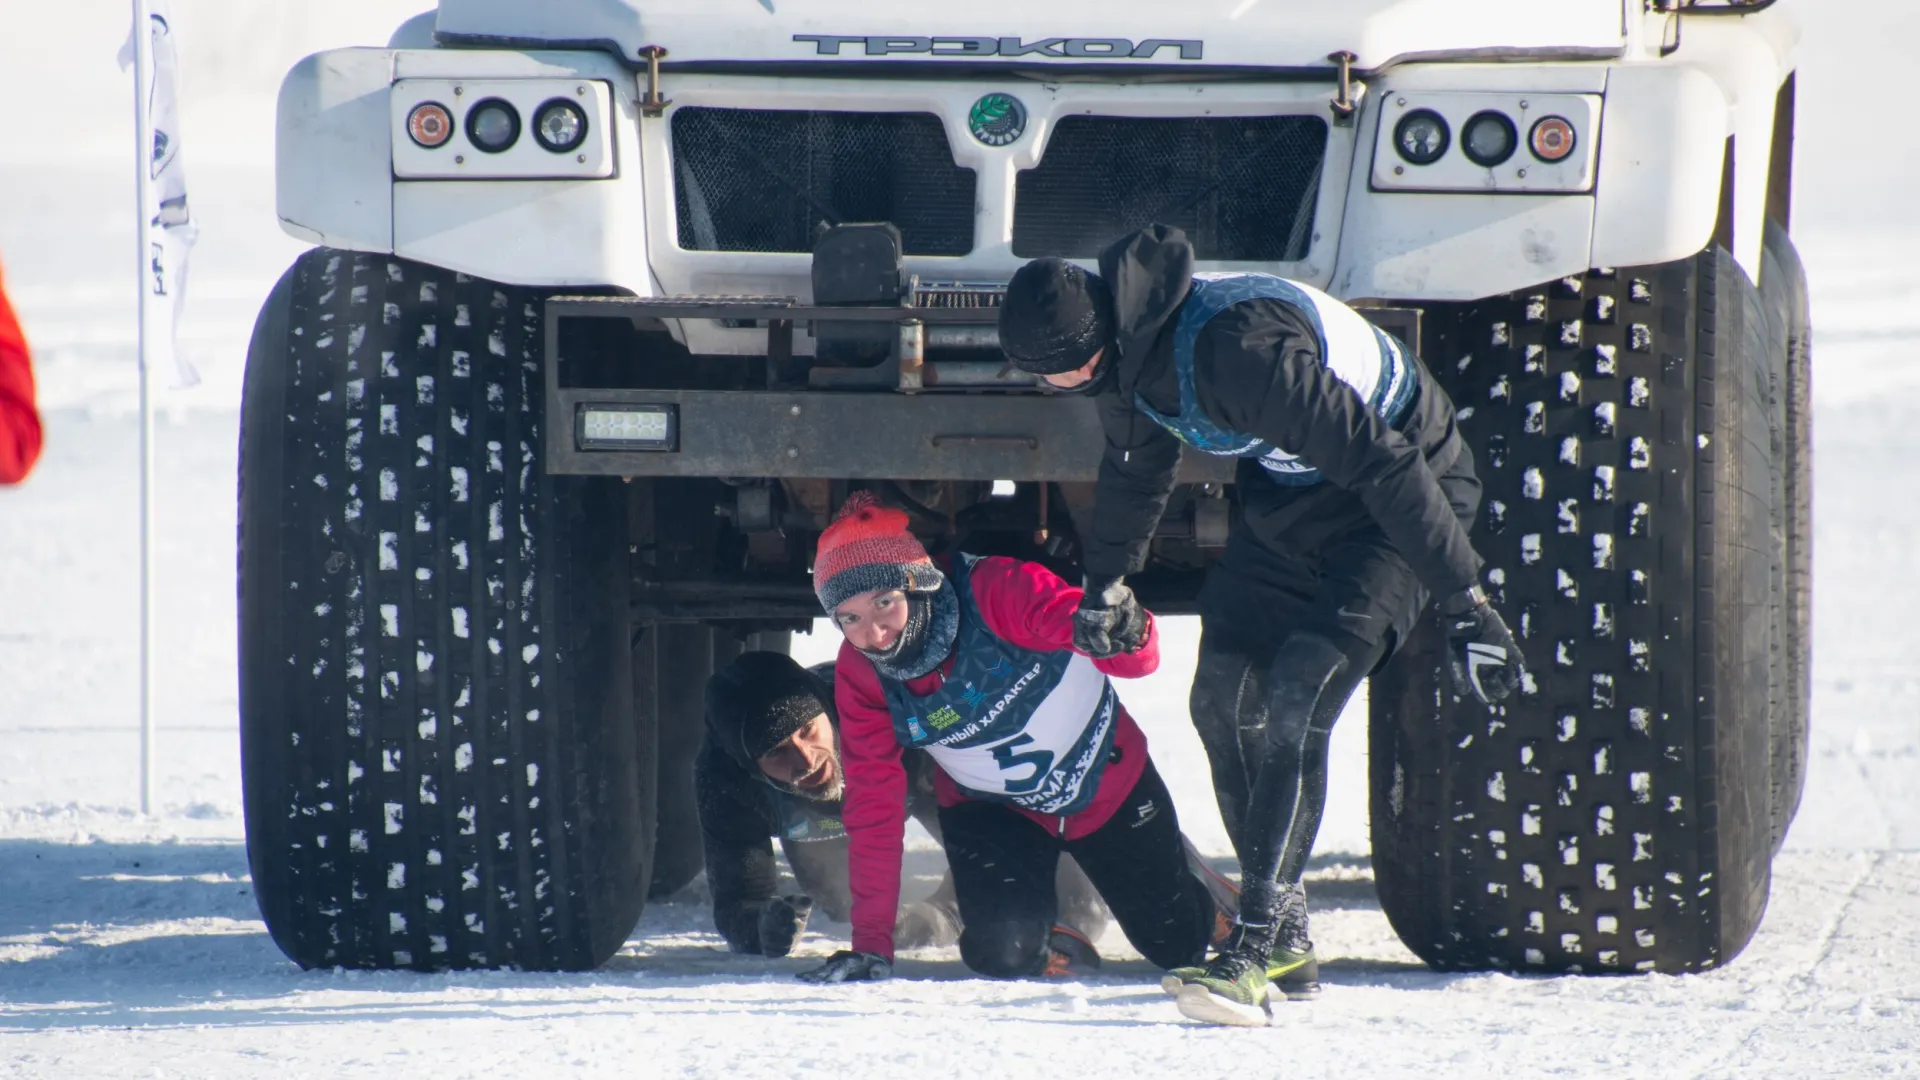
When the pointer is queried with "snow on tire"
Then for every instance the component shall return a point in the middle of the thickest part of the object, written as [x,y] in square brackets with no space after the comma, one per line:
[1616,815]
[437,725]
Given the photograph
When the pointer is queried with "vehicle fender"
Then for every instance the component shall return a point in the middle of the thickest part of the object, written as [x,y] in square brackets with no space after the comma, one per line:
[1423,246]
[333,161]
[556,233]
[415,33]
[1663,138]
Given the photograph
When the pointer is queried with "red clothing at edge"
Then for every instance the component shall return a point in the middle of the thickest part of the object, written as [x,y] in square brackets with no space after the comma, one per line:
[20,433]
[1024,604]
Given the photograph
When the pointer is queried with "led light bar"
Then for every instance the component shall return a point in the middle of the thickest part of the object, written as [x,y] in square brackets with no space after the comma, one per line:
[627,427]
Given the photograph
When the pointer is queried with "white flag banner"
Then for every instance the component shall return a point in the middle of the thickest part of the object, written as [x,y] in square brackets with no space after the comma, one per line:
[174,230]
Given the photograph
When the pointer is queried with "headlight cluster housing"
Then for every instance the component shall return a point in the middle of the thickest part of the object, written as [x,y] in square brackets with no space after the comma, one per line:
[1486,142]
[501,129]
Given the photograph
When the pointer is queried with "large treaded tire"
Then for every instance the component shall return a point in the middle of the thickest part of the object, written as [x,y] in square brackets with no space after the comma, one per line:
[1783,281]
[437,732]
[1616,816]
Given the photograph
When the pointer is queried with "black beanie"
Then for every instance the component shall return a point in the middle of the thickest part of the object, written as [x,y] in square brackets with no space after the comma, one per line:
[759,700]
[1055,317]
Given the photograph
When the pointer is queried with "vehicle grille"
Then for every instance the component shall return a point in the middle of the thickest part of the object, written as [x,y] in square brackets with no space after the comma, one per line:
[762,179]
[984,296]
[1243,188]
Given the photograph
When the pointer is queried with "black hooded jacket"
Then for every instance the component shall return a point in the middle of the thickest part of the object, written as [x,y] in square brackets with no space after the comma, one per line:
[741,811]
[1258,370]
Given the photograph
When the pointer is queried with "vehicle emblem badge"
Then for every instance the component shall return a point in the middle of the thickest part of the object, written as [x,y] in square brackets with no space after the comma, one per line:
[997,119]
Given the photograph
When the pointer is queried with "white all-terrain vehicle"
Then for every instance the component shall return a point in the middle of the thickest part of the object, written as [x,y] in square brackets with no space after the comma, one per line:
[613,301]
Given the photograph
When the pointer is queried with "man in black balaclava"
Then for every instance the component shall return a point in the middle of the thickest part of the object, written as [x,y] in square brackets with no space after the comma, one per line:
[1352,501]
[771,768]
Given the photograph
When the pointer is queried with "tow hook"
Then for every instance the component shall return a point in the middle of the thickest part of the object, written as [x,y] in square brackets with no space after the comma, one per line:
[1343,105]
[652,104]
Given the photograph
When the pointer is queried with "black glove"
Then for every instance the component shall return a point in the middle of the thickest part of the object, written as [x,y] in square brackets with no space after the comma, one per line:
[849,966]
[782,921]
[1482,656]
[1110,621]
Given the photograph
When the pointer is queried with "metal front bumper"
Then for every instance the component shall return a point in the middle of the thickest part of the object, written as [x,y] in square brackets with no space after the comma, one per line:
[854,436]
[792,431]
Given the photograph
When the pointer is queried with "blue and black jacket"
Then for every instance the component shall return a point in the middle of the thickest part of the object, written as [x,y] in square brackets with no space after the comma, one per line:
[1246,372]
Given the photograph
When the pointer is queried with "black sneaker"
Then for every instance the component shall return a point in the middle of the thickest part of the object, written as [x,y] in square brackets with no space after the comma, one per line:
[1294,974]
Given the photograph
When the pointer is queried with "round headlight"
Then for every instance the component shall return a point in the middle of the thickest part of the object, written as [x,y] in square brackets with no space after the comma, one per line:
[559,125]
[1552,139]
[1421,137]
[430,124]
[1489,139]
[492,125]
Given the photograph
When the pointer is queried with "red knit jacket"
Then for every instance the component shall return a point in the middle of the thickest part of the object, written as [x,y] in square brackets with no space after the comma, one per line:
[20,433]
[1027,605]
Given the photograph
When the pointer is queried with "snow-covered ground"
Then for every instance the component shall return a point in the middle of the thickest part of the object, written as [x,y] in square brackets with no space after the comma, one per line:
[131,945]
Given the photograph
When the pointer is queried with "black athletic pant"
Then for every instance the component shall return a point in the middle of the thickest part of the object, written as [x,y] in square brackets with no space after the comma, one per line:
[1003,873]
[1236,688]
[1307,600]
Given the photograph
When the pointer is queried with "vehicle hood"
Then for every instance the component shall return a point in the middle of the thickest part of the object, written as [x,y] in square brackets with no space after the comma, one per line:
[1064,33]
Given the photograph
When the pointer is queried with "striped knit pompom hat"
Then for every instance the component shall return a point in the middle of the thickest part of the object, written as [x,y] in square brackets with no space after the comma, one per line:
[866,548]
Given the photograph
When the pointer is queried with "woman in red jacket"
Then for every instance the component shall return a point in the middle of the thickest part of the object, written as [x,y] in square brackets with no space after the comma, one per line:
[19,423]
[1035,755]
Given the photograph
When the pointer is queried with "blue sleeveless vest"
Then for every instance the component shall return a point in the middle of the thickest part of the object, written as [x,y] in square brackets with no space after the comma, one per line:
[1360,354]
[1010,724]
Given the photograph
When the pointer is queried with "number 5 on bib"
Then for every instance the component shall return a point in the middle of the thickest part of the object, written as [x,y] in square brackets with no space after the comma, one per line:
[1041,760]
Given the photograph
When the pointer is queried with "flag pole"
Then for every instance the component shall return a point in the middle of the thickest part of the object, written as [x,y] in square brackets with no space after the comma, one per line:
[143,184]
